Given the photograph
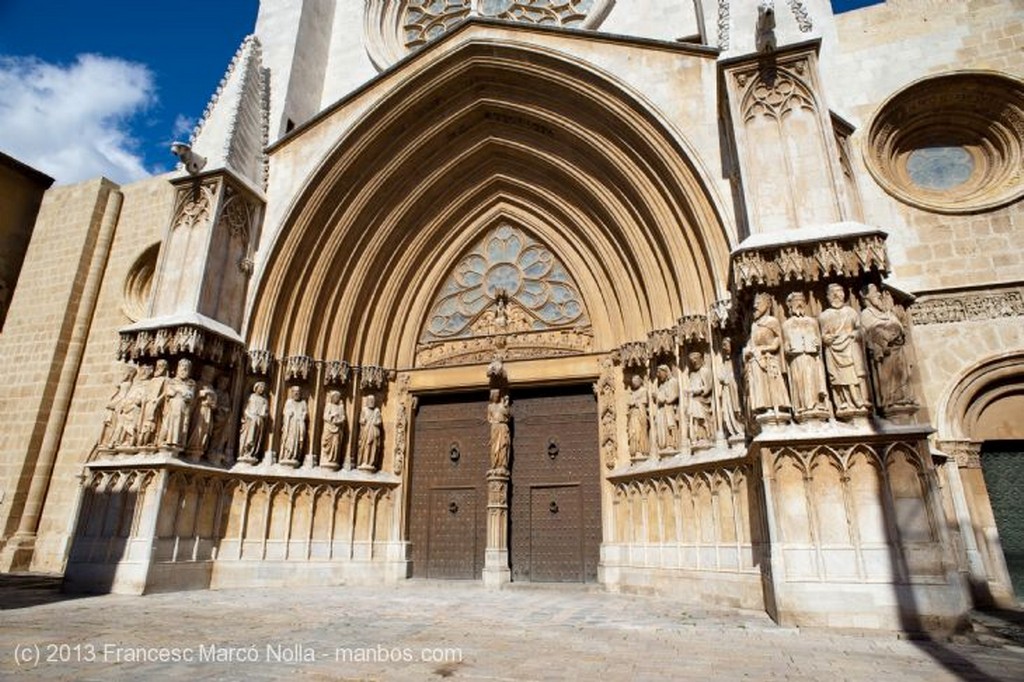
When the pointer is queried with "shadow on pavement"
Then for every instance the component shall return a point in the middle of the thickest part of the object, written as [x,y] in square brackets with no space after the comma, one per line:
[24,590]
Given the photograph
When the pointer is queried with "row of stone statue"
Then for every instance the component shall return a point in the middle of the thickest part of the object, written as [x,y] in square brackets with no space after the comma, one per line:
[653,414]
[804,369]
[806,348]
[294,430]
[150,409]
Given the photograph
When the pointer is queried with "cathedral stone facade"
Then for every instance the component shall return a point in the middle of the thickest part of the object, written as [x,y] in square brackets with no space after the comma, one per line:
[719,299]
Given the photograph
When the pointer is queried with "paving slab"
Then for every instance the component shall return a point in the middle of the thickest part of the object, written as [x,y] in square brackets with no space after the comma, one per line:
[425,630]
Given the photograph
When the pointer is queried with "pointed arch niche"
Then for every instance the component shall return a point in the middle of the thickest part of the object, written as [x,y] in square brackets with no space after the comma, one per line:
[475,137]
[509,291]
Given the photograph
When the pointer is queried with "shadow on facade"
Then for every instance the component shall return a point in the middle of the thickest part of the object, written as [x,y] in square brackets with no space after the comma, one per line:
[100,543]
[911,620]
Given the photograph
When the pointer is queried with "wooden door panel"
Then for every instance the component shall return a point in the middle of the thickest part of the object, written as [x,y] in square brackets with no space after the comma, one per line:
[449,457]
[555,451]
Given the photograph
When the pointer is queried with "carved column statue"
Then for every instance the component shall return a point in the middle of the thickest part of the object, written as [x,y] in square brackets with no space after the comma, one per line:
[496,567]
[802,345]
[700,393]
[370,434]
[498,414]
[111,421]
[129,412]
[202,419]
[767,394]
[220,432]
[841,337]
[729,412]
[666,418]
[180,393]
[885,338]
[638,421]
[254,424]
[294,422]
[334,423]
[152,405]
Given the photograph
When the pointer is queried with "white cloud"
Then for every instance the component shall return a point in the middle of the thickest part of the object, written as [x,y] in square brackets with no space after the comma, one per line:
[183,126]
[72,122]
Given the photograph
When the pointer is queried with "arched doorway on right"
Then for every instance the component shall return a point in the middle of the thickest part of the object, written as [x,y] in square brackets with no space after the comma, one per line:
[997,419]
[1002,463]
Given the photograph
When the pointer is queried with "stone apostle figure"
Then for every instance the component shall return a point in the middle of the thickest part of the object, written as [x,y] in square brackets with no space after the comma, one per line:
[219,432]
[498,414]
[802,345]
[886,339]
[729,395]
[334,423]
[763,366]
[293,428]
[254,423]
[370,424]
[638,420]
[666,419]
[841,336]
[701,391]
[129,412]
[180,393]
[110,421]
[202,418]
[152,404]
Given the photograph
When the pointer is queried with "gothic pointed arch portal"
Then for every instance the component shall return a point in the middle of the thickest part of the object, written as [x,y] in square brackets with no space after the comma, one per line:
[486,132]
[509,291]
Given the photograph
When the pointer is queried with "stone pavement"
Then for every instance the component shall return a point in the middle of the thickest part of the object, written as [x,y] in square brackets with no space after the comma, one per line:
[431,630]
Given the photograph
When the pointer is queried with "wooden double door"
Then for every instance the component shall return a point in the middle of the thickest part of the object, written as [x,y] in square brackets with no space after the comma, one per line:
[554,493]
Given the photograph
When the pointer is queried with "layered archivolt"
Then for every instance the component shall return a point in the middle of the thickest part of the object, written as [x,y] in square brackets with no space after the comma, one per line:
[605,230]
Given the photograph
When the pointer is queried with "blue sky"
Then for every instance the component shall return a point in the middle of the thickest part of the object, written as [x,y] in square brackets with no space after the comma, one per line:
[104,87]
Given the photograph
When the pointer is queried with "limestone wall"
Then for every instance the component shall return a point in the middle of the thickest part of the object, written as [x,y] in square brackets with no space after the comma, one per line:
[143,220]
[38,330]
[880,50]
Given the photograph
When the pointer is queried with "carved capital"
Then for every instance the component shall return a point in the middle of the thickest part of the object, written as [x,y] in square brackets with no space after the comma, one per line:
[966,453]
